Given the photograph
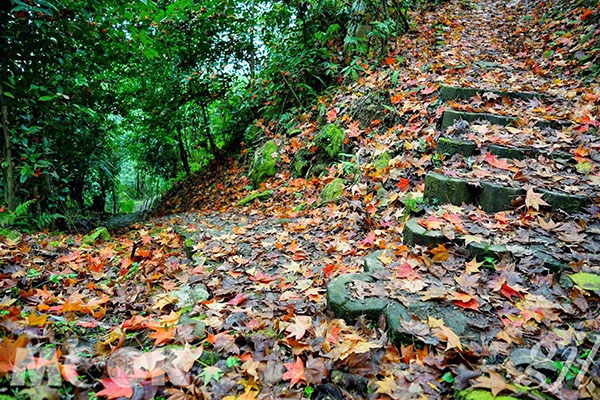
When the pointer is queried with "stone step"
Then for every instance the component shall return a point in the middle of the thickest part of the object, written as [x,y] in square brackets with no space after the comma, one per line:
[518,143]
[450,117]
[552,244]
[344,301]
[461,93]
[493,194]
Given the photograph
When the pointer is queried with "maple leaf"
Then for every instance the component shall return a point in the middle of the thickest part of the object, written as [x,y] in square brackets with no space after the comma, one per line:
[473,266]
[403,184]
[237,300]
[162,335]
[495,162]
[387,386]
[534,200]
[299,328]
[295,372]
[211,373]
[331,115]
[495,382]
[117,386]
[429,90]
[354,129]
[186,356]
[8,352]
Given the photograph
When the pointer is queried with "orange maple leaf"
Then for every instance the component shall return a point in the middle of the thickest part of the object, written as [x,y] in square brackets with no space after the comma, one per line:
[295,372]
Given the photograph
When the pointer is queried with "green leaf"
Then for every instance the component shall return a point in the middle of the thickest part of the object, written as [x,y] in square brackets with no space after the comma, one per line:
[45,98]
[9,94]
[211,373]
[586,281]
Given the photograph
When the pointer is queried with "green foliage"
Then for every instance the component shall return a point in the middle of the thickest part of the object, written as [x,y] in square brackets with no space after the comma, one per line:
[112,101]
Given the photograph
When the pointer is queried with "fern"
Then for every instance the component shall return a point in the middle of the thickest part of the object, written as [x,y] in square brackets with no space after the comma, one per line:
[10,217]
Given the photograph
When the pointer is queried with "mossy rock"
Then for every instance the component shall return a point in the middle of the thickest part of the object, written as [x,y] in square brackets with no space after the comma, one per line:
[301,163]
[450,146]
[349,308]
[372,263]
[515,153]
[448,190]
[453,317]
[477,394]
[264,165]
[331,139]
[494,197]
[462,93]
[451,116]
[563,201]
[255,195]
[555,124]
[415,234]
[485,249]
[382,161]
[333,190]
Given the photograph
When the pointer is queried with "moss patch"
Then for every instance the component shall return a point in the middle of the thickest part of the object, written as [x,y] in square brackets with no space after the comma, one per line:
[253,196]
[265,163]
[382,161]
[470,394]
[331,139]
[333,190]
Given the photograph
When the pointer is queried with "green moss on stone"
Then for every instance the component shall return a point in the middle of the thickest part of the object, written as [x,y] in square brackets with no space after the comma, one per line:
[416,234]
[451,116]
[382,161]
[346,306]
[333,190]
[563,201]
[450,146]
[448,190]
[265,163]
[255,195]
[331,139]
[516,153]
[494,197]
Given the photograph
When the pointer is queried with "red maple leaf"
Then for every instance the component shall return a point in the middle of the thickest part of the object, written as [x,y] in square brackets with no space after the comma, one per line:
[295,372]
[116,387]
[403,184]
[331,115]
[495,162]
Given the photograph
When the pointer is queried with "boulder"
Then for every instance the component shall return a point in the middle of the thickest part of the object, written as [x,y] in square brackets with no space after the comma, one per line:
[265,163]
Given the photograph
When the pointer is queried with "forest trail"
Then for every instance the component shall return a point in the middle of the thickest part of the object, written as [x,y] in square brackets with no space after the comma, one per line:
[466,234]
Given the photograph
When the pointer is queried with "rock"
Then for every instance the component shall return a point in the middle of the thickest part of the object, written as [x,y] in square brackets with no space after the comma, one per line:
[516,153]
[350,382]
[331,139]
[448,190]
[554,124]
[494,197]
[451,116]
[382,161]
[481,249]
[372,263]
[453,317]
[265,163]
[301,163]
[333,190]
[563,201]
[255,195]
[346,306]
[526,357]
[416,234]
[189,296]
[450,146]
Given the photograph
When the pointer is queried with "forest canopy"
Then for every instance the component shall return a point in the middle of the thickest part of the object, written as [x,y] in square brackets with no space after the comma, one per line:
[107,103]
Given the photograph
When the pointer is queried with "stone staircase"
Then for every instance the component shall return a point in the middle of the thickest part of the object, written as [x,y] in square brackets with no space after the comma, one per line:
[493,165]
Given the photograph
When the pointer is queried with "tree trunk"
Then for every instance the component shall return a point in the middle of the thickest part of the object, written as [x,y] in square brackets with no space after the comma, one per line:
[213,147]
[9,169]
[183,153]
